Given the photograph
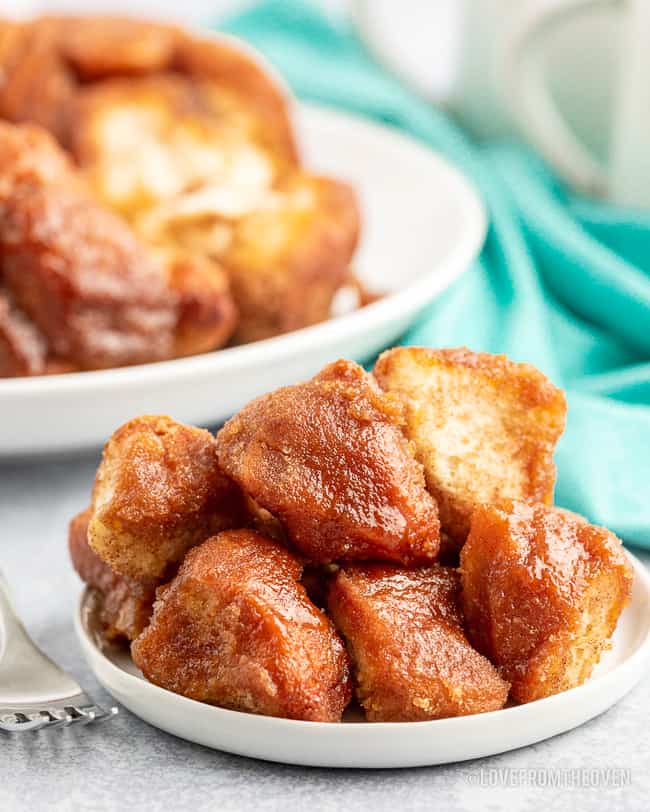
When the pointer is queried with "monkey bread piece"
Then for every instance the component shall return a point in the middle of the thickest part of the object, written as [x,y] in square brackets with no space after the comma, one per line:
[542,592]
[23,349]
[11,38]
[143,142]
[286,246]
[101,47]
[287,260]
[484,427]
[36,84]
[207,313]
[126,603]
[240,79]
[159,491]
[410,657]
[99,297]
[329,460]
[235,628]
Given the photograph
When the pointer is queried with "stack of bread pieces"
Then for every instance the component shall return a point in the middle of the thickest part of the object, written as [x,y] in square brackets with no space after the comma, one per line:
[152,200]
[389,535]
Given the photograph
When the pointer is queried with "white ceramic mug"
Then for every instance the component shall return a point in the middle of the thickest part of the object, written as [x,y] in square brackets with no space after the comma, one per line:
[625,177]
[572,76]
[447,49]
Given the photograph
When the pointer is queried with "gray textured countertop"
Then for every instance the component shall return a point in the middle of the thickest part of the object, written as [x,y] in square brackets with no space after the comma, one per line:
[126,764]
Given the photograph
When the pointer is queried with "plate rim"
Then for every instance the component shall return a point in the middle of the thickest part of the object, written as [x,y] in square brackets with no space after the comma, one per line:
[456,261]
[631,665]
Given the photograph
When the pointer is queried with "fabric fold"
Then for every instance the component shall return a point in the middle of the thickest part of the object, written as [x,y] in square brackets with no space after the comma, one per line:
[562,281]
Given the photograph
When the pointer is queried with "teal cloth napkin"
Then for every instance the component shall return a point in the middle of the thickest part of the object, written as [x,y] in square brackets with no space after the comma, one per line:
[562,282]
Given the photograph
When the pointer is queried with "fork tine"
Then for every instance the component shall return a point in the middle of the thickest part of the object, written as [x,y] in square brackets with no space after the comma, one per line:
[36,692]
[107,715]
[60,718]
[19,722]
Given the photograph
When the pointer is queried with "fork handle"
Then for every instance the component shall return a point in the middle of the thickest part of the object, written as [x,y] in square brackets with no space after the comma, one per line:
[24,669]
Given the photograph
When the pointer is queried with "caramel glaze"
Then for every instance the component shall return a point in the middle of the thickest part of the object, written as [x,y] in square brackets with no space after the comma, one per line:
[22,347]
[328,458]
[159,490]
[235,628]
[542,591]
[73,268]
[411,658]
[484,427]
[84,280]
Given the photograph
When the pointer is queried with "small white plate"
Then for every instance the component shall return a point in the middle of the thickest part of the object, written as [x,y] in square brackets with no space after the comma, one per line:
[363,744]
[423,225]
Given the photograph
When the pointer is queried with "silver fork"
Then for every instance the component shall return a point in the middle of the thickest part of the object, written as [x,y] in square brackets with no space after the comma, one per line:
[34,692]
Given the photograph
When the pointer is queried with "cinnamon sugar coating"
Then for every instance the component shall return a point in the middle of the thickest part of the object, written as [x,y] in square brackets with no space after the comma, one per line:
[411,659]
[235,628]
[22,347]
[37,84]
[100,47]
[127,604]
[206,311]
[80,278]
[158,491]
[29,155]
[285,262]
[99,298]
[145,141]
[225,66]
[542,592]
[483,426]
[73,268]
[328,459]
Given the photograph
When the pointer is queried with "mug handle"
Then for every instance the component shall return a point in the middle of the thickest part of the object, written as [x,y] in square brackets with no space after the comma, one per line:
[522,80]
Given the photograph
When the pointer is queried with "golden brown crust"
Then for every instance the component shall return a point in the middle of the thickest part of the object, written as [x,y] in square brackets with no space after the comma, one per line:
[329,460]
[126,604]
[286,262]
[36,85]
[101,298]
[542,592]
[236,629]
[80,274]
[207,313]
[100,47]
[230,68]
[159,490]
[285,243]
[145,141]
[23,349]
[484,427]
[411,660]
[12,35]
